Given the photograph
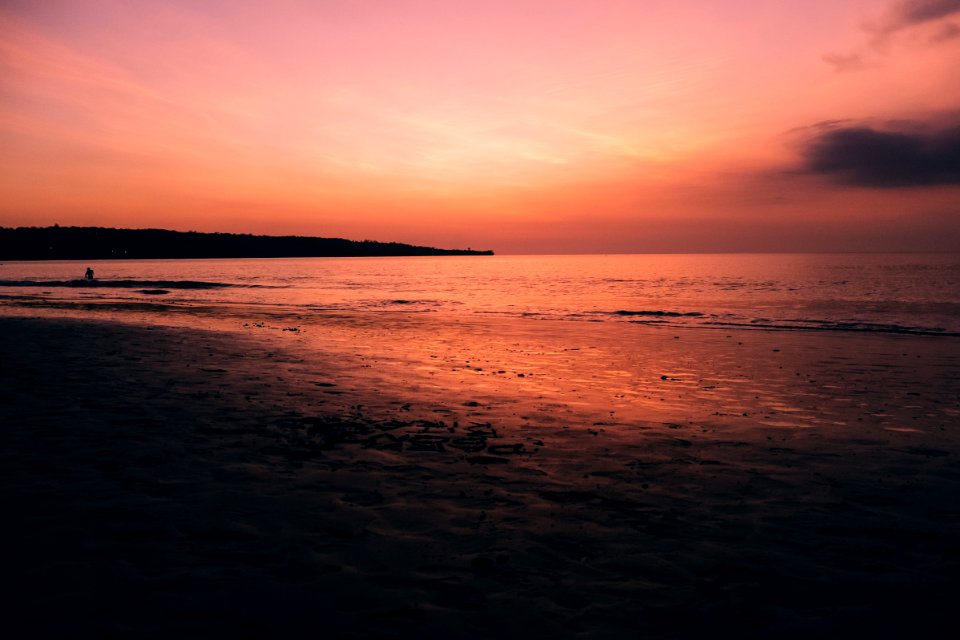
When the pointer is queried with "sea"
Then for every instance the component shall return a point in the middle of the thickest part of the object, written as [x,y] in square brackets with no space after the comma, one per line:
[887,293]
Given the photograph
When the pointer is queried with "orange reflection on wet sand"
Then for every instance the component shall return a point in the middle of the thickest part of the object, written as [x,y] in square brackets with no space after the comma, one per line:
[438,474]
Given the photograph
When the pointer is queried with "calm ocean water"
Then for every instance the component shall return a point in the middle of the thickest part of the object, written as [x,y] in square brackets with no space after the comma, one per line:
[898,293]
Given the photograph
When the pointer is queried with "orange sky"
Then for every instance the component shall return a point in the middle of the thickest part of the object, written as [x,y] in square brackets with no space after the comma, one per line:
[520,125]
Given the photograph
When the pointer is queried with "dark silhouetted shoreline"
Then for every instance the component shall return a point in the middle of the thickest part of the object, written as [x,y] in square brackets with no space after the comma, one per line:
[101,243]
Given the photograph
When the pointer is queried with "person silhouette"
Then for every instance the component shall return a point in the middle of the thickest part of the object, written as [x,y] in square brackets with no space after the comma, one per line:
[89,274]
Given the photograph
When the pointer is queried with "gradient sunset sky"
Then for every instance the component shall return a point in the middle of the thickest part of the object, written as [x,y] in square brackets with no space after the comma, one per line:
[521,125]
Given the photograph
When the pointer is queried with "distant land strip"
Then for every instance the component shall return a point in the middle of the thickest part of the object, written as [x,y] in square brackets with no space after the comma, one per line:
[102,243]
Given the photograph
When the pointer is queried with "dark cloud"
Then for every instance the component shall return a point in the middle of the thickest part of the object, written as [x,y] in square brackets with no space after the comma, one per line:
[865,156]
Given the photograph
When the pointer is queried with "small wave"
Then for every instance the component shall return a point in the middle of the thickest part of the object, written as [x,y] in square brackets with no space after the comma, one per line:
[824,325]
[123,284]
[404,302]
[849,325]
[658,313]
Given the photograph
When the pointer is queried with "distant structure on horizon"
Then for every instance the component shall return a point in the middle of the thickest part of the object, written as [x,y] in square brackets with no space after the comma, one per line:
[102,243]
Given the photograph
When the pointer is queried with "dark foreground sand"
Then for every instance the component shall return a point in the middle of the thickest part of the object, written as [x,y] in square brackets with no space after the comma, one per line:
[170,482]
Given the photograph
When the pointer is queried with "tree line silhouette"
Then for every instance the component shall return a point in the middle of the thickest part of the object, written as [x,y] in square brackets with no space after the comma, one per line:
[102,243]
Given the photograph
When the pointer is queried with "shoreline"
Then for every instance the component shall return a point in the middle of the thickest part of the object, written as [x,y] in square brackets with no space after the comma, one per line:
[156,300]
[184,482]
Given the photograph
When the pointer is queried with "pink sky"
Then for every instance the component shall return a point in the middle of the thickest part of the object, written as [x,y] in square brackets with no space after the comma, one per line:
[521,125]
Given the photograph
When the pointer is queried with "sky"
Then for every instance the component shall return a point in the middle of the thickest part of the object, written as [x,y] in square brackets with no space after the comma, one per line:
[523,126]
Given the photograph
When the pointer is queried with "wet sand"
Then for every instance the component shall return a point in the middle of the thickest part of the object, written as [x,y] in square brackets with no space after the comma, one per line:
[344,477]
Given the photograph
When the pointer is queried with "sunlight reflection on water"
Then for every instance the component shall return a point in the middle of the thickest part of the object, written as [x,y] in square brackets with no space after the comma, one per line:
[868,293]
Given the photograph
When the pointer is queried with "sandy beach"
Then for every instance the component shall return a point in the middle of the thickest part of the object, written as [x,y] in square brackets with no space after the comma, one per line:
[276,479]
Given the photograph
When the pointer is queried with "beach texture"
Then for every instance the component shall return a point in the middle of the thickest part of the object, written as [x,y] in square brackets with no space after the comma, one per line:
[523,480]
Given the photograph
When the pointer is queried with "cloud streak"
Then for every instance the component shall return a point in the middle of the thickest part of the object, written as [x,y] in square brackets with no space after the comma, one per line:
[929,17]
[909,13]
[845,62]
[858,155]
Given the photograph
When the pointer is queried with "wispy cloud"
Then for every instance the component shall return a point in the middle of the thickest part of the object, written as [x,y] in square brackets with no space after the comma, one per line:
[947,31]
[846,62]
[909,13]
[930,17]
